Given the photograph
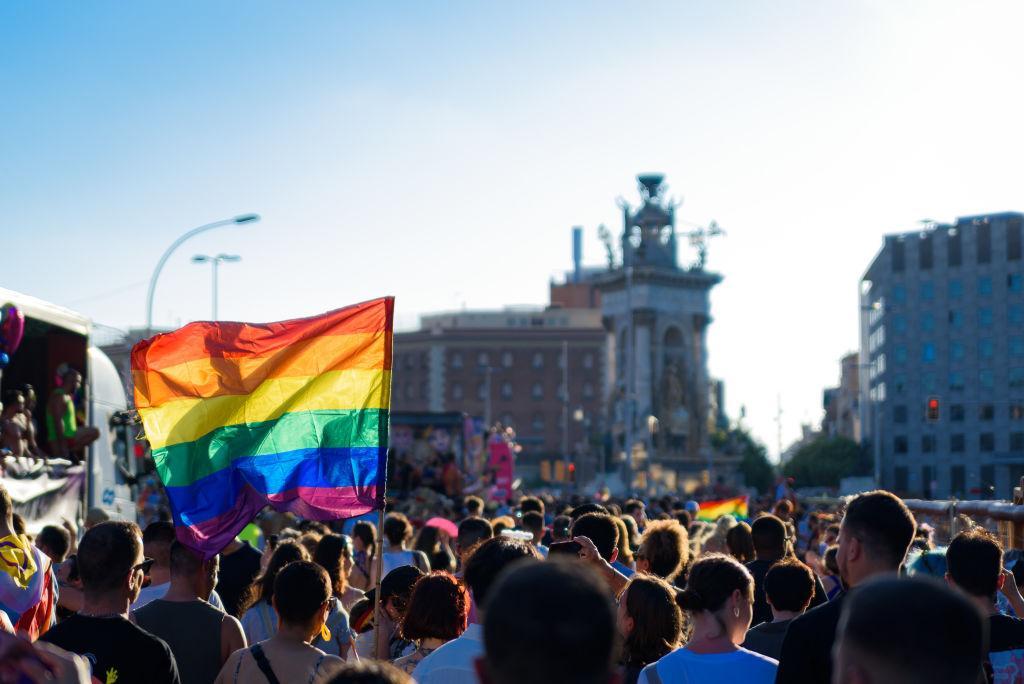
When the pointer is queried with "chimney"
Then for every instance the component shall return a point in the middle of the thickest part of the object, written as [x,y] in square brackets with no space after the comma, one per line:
[577,253]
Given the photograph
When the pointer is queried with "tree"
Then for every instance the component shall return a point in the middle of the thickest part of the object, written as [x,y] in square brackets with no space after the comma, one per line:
[826,460]
[757,471]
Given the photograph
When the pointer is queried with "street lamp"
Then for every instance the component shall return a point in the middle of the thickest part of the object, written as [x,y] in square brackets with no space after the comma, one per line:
[216,261]
[240,220]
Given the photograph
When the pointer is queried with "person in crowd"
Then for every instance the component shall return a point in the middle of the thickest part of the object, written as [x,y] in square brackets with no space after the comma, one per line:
[474,506]
[626,559]
[472,531]
[633,532]
[301,597]
[239,566]
[310,540]
[156,544]
[663,550]
[364,543]
[561,528]
[55,542]
[771,544]
[830,581]
[434,544]
[601,529]
[257,608]
[789,586]
[873,540]
[14,424]
[533,522]
[454,662]
[739,542]
[62,429]
[719,599]
[200,636]
[334,554]
[974,563]
[522,641]
[588,507]
[386,638]
[329,556]
[637,511]
[649,622]
[397,535]
[94,516]
[112,569]
[502,523]
[437,613]
[683,517]
[370,672]
[911,631]
[531,503]
[31,430]
[28,586]
[716,541]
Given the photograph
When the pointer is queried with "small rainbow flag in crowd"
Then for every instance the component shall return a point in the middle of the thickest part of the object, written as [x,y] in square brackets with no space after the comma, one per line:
[291,414]
[713,510]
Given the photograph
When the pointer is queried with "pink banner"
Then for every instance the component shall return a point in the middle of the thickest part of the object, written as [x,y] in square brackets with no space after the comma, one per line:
[503,467]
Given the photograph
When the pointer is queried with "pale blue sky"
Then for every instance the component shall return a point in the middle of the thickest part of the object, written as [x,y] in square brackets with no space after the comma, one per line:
[441,152]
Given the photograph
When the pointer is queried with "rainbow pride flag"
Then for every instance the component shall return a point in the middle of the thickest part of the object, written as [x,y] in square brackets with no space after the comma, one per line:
[713,510]
[292,414]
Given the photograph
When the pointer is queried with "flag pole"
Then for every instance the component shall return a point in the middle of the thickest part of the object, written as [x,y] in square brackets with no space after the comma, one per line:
[379,562]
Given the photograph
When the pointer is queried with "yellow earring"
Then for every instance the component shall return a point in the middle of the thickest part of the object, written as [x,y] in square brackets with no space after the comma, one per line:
[325,632]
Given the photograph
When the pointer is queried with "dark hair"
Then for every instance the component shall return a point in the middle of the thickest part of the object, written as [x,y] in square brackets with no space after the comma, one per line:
[664,546]
[369,672]
[712,580]
[588,507]
[106,554]
[472,531]
[601,529]
[684,518]
[365,532]
[974,560]
[531,503]
[474,505]
[397,528]
[740,542]
[300,589]
[262,588]
[183,560]
[314,526]
[158,537]
[12,396]
[561,525]
[768,534]
[789,585]
[549,623]
[632,505]
[57,541]
[438,608]
[657,620]
[913,631]
[831,559]
[533,522]
[489,559]
[625,549]
[329,556]
[883,524]
[397,585]
[428,541]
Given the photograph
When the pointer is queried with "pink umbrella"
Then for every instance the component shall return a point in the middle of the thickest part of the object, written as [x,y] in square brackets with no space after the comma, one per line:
[444,524]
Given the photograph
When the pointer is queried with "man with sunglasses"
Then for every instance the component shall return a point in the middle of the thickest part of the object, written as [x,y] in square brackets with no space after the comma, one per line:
[113,569]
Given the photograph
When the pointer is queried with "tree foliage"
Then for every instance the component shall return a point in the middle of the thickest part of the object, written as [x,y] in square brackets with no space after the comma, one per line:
[757,470]
[826,460]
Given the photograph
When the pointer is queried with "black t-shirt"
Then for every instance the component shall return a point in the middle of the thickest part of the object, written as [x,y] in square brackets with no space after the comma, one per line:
[117,650]
[1006,649]
[762,611]
[237,571]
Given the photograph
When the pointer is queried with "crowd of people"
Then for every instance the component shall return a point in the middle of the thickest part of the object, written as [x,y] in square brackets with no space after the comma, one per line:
[538,590]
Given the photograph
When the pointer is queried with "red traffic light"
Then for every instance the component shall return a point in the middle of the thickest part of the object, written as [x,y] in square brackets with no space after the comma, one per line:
[932,409]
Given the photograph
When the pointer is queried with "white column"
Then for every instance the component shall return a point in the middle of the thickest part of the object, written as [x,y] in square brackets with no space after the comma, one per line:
[644,380]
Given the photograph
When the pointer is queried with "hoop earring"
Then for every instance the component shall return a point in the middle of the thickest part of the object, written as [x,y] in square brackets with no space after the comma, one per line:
[736,612]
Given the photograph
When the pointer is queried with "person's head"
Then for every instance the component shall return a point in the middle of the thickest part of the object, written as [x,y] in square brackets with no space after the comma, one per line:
[720,587]
[533,522]
[71,380]
[18,524]
[740,542]
[831,534]
[974,563]
[874,536]
[30,396]
[649,620]
[310,540]
[330,555]
[189,568]
[589,507]
[156,541]
[95,516]
[561,528]
[684,517]
[302,596]
[623,545]
[54,542]
[6,507]
[769,537]
[783,509]
[14,402]
[364,537]
[601,529]
[262,589]
[531,503]
[548,623]
[487,561]
[369,672]
[396,588]
[397,529]
[636,510]
[789,586]
[110,561]
[831,560]
[472,531]
[474,505]
[908,631]
[663,549]
[502,523]
[438,608]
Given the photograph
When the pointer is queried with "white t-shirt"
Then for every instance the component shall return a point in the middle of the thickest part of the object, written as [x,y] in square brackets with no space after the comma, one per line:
[453,662]
[740,665]
[396,559]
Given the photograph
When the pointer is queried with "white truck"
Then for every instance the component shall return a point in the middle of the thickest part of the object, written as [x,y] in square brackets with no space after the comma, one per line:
[43,495]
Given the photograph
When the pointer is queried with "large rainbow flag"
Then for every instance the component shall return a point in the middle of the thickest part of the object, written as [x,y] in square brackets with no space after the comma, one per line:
[292,414]
[713,510]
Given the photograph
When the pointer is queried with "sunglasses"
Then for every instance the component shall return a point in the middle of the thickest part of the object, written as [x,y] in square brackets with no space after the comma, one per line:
[146,565]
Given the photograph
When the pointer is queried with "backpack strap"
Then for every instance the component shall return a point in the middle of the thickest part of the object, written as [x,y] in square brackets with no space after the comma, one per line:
[261,662]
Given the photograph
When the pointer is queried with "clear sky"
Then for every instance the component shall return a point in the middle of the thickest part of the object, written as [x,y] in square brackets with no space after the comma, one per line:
[441,152]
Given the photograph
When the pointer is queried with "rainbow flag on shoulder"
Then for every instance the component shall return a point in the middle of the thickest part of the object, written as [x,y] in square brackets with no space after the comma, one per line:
[713,510]
[292,414]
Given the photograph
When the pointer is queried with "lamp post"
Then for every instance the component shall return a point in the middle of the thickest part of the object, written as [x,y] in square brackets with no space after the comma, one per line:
[240,220]
[215,261]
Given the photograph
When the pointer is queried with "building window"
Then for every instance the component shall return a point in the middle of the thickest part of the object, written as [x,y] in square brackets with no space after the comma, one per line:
[927,291]
[1014,282]
[954,250]
[956,288]
[986,379]
[986,348]
[1017,441]
[899,444]
[924,252]
[956,443]
[457,391]
[1017,346]
[956,319]
[987,441]
[538,422]
[588,360]
[1016,377]
[928,352]
[409,361]
[899,414]
[899,354]
[984,286]
[1015,314]
[956,381]
[483,360]
[988,480]
[537,392]
[457,360]
[927,444]
[481,391]
[506,390]
[956,351]
[898,383]
[984,243]
[930,382]
[424,390]
[588,390]
[1016,411]
[562,396]
[899,294]
[956,413]
[986,412]
[898,255]
[538,360]
[1013,240]
[958,480]
[508,420]
[507,359]
[410,391]
[984,317]
[899,323]
[928,321]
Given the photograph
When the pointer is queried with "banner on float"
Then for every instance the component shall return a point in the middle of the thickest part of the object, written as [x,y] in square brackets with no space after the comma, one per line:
[501,464]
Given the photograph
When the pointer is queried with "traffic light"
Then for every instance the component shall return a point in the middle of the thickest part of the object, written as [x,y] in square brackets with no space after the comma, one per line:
[932,410]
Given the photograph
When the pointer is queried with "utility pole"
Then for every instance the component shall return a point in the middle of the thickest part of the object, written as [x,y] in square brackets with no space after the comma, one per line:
[630,375]
[565,403]
[778,425]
